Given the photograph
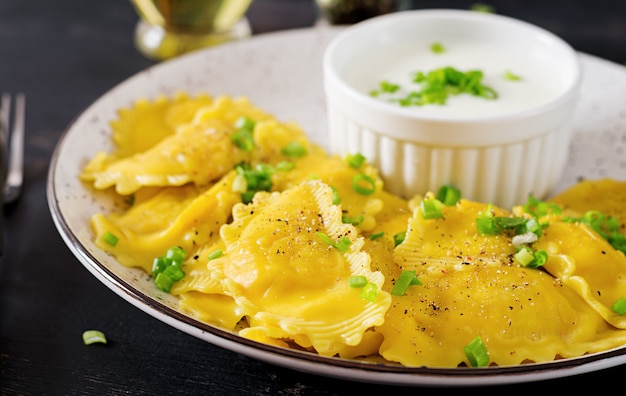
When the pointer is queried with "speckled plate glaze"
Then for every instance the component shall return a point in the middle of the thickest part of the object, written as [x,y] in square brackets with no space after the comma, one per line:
[281,73]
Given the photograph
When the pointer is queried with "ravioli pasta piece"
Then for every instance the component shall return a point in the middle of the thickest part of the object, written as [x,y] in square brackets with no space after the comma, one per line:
[288,280]
[161,117]
[606,195]
[594,269]
[182,216]
[174,161]
[471,287]
[522,315]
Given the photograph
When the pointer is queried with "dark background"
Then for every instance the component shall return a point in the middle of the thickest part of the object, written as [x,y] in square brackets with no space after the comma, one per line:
[64,54]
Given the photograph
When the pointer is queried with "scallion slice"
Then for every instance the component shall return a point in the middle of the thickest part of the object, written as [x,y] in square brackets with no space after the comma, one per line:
[294,149]
[369,292]
[448,195]
[407,278]
[93,337]
[619,307]
[215,254]
[110,238]
[477,353]
[363,184]
[399,238]
[376,235]
[357,281]
[431,209]
[355,160]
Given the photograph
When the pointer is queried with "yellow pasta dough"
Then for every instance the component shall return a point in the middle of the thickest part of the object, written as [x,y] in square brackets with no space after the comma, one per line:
[289,246]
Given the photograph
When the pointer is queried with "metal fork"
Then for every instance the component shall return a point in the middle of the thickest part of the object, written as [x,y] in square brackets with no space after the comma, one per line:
[12,145]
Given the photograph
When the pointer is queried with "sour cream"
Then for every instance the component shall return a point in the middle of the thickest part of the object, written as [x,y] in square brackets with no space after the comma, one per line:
[539,80]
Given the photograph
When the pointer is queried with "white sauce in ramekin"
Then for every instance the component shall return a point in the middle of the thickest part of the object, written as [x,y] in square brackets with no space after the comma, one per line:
[539,84]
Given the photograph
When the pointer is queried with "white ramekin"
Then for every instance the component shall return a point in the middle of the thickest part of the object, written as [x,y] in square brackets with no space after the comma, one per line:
[500,159]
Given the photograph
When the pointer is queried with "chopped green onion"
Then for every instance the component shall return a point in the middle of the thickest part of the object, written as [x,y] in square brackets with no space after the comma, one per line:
[482,7]
[619,306]
[449,195]
[369,292]
[431,209]
[385,87]
[94,336]
[243,139]
[527,257]
[508,75]
[168,268]
[343,244]
[245,123]
[215,254]
[325,238]
[355,221]
[336,197]
[285,166]
[164,282]
[257,179]
[406,279]
[399,238]
[437,85]
[540,208]
[355,160]
[357,281]
[363,184]
[110,238]
[437,48]
[376,235]
[294,149]
[477,353]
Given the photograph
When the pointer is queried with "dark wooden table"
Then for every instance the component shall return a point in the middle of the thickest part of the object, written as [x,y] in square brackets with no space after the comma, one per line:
[64,54]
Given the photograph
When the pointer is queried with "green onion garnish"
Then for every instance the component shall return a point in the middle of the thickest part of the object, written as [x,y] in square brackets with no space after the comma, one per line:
[325,238]
[355,221]
[168,268]
[528,257]
[540,208]
[357,281]
[448,195]
[215,254]
[619,306]
[406,279]
[376,235]
[508,75]
[343,244]
[110,238]
[363,184]
[437,48]
[336,197]
[482,7]
[257,179]
[285,166]
[294,149]
[399,238]
[243,137]
[477,353]
[94,336]
[369,292]
[431,209]
[355,160]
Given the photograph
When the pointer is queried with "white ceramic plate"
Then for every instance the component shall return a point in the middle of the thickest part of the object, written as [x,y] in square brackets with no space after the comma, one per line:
[281,73]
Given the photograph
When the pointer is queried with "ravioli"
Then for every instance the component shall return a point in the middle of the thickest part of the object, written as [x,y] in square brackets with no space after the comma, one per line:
[288,279]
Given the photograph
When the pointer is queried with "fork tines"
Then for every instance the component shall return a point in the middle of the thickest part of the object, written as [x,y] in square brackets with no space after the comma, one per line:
[12,141]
